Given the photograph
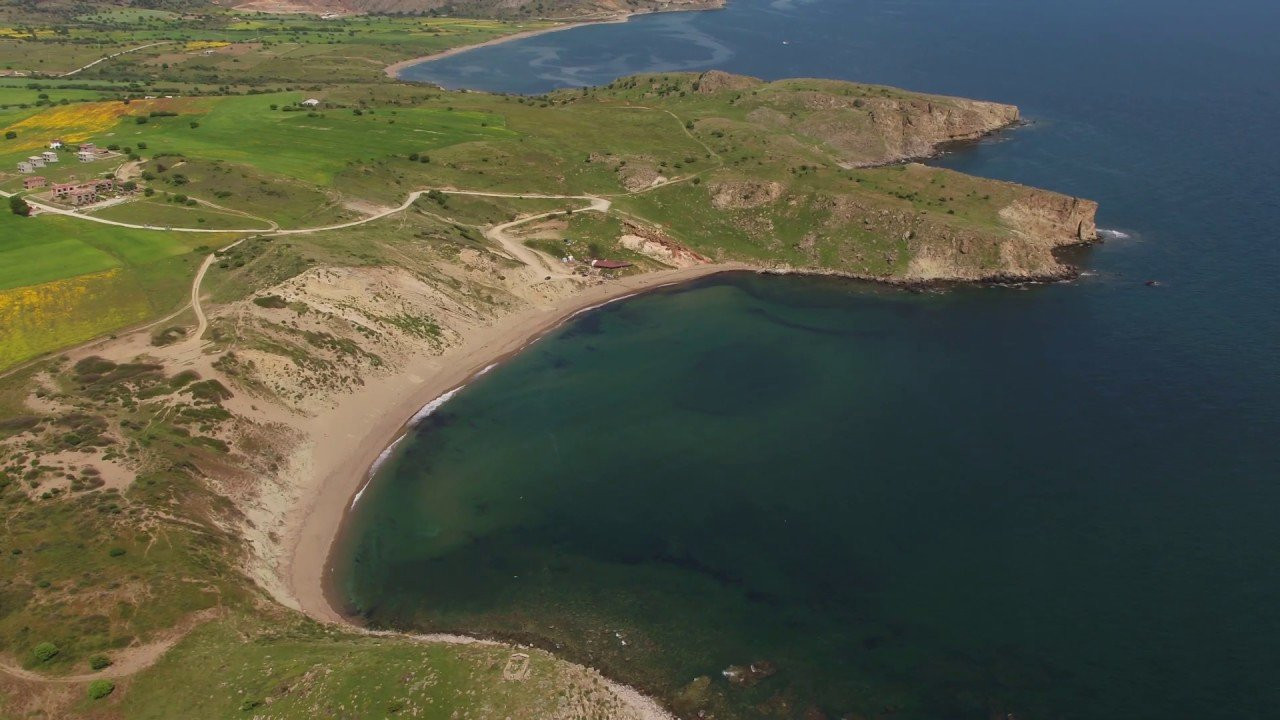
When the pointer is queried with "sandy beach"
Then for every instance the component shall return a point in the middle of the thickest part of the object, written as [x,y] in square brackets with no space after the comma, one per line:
[344,442]
[394,70]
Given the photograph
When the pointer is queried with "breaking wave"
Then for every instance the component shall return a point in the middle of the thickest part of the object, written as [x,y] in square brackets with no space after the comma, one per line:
[418,417]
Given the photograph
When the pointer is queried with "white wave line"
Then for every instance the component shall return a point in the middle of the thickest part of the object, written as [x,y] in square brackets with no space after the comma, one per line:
[418,417]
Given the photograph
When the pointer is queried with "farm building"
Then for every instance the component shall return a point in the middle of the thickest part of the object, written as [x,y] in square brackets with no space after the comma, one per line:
[34,182]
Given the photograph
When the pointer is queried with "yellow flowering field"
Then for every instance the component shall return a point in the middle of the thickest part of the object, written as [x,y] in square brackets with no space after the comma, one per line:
[39,318]
[205,44]
[80,121]
[11,32]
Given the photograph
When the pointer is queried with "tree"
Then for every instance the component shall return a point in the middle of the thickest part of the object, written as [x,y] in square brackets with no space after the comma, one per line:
[19,206]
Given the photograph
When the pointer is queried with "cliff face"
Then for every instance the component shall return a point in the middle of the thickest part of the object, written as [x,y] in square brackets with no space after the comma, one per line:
[1039,222]
[861,125]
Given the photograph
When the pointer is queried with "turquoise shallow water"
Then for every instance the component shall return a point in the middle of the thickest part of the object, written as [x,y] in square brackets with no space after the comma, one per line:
[1057,501]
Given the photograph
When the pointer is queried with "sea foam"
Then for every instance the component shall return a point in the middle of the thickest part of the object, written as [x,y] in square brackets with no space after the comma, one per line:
[418,417]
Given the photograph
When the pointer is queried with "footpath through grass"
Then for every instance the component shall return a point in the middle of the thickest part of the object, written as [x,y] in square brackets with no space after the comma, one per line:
[64,281]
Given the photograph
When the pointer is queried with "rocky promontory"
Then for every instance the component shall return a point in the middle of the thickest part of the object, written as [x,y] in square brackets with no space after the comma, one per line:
[816,175]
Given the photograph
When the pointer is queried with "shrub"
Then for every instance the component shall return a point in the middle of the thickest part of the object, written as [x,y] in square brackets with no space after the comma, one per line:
[141,119]
[99,689]
[270,301]
[98,662]
[116,551]
[9,135]
[19,206]
[45,651]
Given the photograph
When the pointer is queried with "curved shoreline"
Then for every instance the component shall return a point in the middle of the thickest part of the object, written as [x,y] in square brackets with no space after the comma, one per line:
[344,442]
[393,70]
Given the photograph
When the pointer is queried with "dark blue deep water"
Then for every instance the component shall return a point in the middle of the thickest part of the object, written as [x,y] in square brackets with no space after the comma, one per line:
[1056,502]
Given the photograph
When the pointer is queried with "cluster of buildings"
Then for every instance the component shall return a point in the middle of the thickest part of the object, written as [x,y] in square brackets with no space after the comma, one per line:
[87,152]
[82,193]
[74,192]
[37,161]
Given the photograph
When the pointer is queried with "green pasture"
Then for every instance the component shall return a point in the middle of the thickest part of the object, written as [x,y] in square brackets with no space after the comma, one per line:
[50,247]
[308,146]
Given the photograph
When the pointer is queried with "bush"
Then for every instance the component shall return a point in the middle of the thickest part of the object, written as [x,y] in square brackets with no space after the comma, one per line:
[99,689]
[141,120]
[270,301]
[116,551]
[98,662]
[45,651]
[19,206]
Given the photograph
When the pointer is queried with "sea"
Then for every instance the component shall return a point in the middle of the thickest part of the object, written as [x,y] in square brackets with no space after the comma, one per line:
[781,497]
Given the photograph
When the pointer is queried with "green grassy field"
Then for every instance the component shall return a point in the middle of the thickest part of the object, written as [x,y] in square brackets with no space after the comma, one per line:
[161,213]
[64,280]
[313,147]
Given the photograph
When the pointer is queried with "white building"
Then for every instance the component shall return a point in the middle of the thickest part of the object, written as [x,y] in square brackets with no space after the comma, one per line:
[311,102]
[49,156]
[25,167]
[55,144]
